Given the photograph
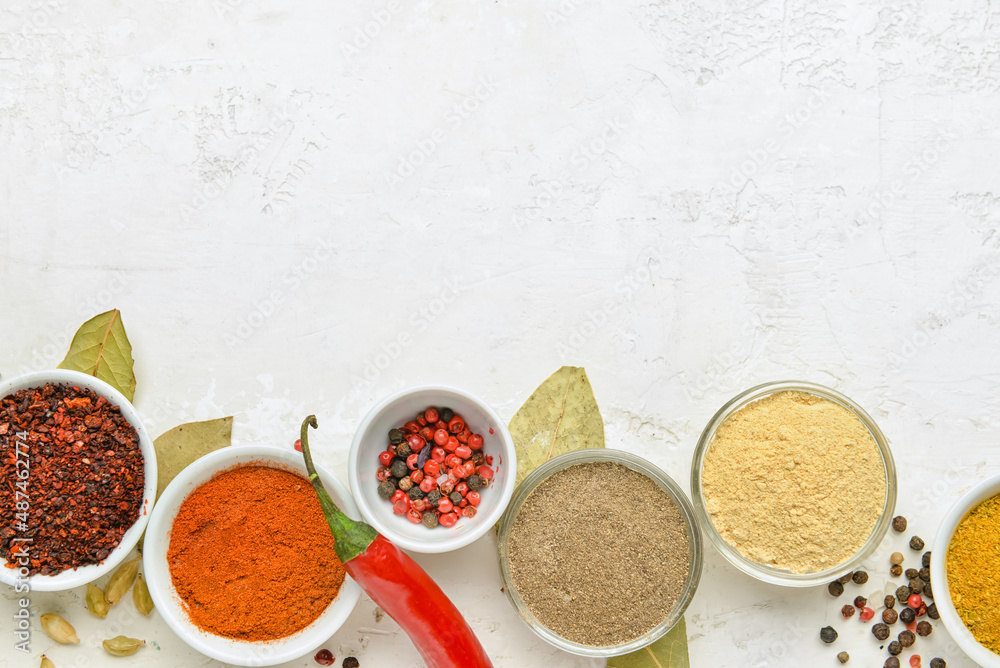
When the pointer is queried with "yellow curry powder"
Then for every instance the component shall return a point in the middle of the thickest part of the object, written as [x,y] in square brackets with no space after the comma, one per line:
[973,577]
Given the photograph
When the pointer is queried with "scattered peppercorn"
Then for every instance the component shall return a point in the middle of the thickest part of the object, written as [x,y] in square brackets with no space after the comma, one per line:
[895,648]
[891,662]
[914,601]
[351,662]
[860,577]
[924,628]
[906,638]
[827,634]
[925,560]
[896,558]
[907,615]
[916,543]
[902,594]
[889,616]
[924,574]
[890,601]
[835,588]
[843,657]
[844,579]
[866,614]
[880,631]
[847,611]
[325,657]
[911,573]
[937,662]
[860,601]
[932,611]
[896,571]
[928,592]
[915,661]
[899,524]
[917,586]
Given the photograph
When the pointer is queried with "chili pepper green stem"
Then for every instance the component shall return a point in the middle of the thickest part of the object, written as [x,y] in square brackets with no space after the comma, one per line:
[352,538]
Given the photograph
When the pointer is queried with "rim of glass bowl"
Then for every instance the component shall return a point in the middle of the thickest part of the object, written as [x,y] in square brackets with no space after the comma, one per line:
[640,465]
[765,572]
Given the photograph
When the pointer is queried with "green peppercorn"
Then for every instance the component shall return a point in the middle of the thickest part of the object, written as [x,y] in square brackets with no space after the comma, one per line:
[835,588]
[899,524]
[924,628]
[924,574]
[386,489]
[907,615]
[906,638]
[938,662]
[925,560]
[395,436]
[896,570]
[860,601]
[827,634]
[902,594]
[891,662]
[916,543]
[843,657]
[455,498]
[415,493]
[860,577]
[895,648]
[398,469]
[434,496]
[475,482]
[880,631]
[430,520]
[890,601]
[446,414]
[889,616]
[847,611]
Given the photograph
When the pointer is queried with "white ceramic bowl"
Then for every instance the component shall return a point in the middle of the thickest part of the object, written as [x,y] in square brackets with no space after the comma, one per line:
[939,573]
[161,589]
[372,437]
[83,574]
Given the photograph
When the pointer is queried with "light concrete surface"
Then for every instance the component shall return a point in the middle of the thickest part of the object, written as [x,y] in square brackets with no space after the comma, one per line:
[685,198]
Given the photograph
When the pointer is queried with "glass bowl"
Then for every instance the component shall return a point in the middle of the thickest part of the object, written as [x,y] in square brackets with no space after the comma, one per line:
[766,572]
[639,465]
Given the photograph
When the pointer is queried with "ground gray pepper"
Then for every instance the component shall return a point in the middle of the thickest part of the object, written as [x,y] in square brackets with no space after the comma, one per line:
[599,553]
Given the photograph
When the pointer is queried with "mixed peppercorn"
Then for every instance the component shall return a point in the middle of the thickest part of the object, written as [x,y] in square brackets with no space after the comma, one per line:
[912,605]
[433,469]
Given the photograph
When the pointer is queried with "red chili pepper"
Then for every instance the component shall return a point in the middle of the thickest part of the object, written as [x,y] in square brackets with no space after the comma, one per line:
[398,585]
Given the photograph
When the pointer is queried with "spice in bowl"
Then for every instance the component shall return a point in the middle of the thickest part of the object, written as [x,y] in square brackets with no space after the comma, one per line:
[433,469]
[599,553]
[251,555]
[86,472]
[794,481]
[971,569]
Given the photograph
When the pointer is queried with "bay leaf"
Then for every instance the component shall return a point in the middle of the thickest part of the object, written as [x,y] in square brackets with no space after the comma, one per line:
[101,348]
[560,416]
[185,443]
[670,651]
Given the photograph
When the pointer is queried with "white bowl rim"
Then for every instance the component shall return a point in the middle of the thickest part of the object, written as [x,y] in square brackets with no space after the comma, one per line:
[983,490]
[484,520]
[81,575]
[154,560]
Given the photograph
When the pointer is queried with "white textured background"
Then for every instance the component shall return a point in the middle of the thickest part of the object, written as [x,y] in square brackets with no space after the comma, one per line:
[686,198]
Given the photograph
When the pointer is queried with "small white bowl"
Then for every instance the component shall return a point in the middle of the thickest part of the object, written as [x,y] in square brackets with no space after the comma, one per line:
[169,604]
[83,574]
[371,438]
[939,573]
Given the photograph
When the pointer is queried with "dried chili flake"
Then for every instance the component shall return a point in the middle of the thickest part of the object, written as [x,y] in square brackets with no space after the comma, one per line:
[84,483]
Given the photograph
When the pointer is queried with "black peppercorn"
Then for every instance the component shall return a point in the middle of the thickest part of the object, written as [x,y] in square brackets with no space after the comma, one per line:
[430,520]
[925,560]
[475,482]
[844,579]
[880,631]
[860,577]
[924,574]
[928,592]
[891,662]
[446,414]
[415,493]
[895,648]
[902,594]
[434,496]
[907,615]
[860,601]
[847,611]
[932,611]
[924,628]
[906,638]
[351,662]
[917,585]
[911,573]
[937,662]
[843,657]
[827,634]
[889,616]
[386,489]
[916,543]
[896,570]
[455,498]
[395,436]
[890,601]
[398,469]
[899,524]
[835,588]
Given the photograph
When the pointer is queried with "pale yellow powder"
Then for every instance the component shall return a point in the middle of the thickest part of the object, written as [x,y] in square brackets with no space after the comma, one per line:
[794,481]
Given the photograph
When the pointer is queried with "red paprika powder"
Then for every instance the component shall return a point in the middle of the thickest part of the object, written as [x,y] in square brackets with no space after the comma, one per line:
[251,554]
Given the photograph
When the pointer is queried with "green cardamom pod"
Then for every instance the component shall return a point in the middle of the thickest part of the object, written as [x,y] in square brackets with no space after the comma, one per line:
[121,581]
[122,646]
[96,603]
[140,596]
[58,629]
[46,662]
